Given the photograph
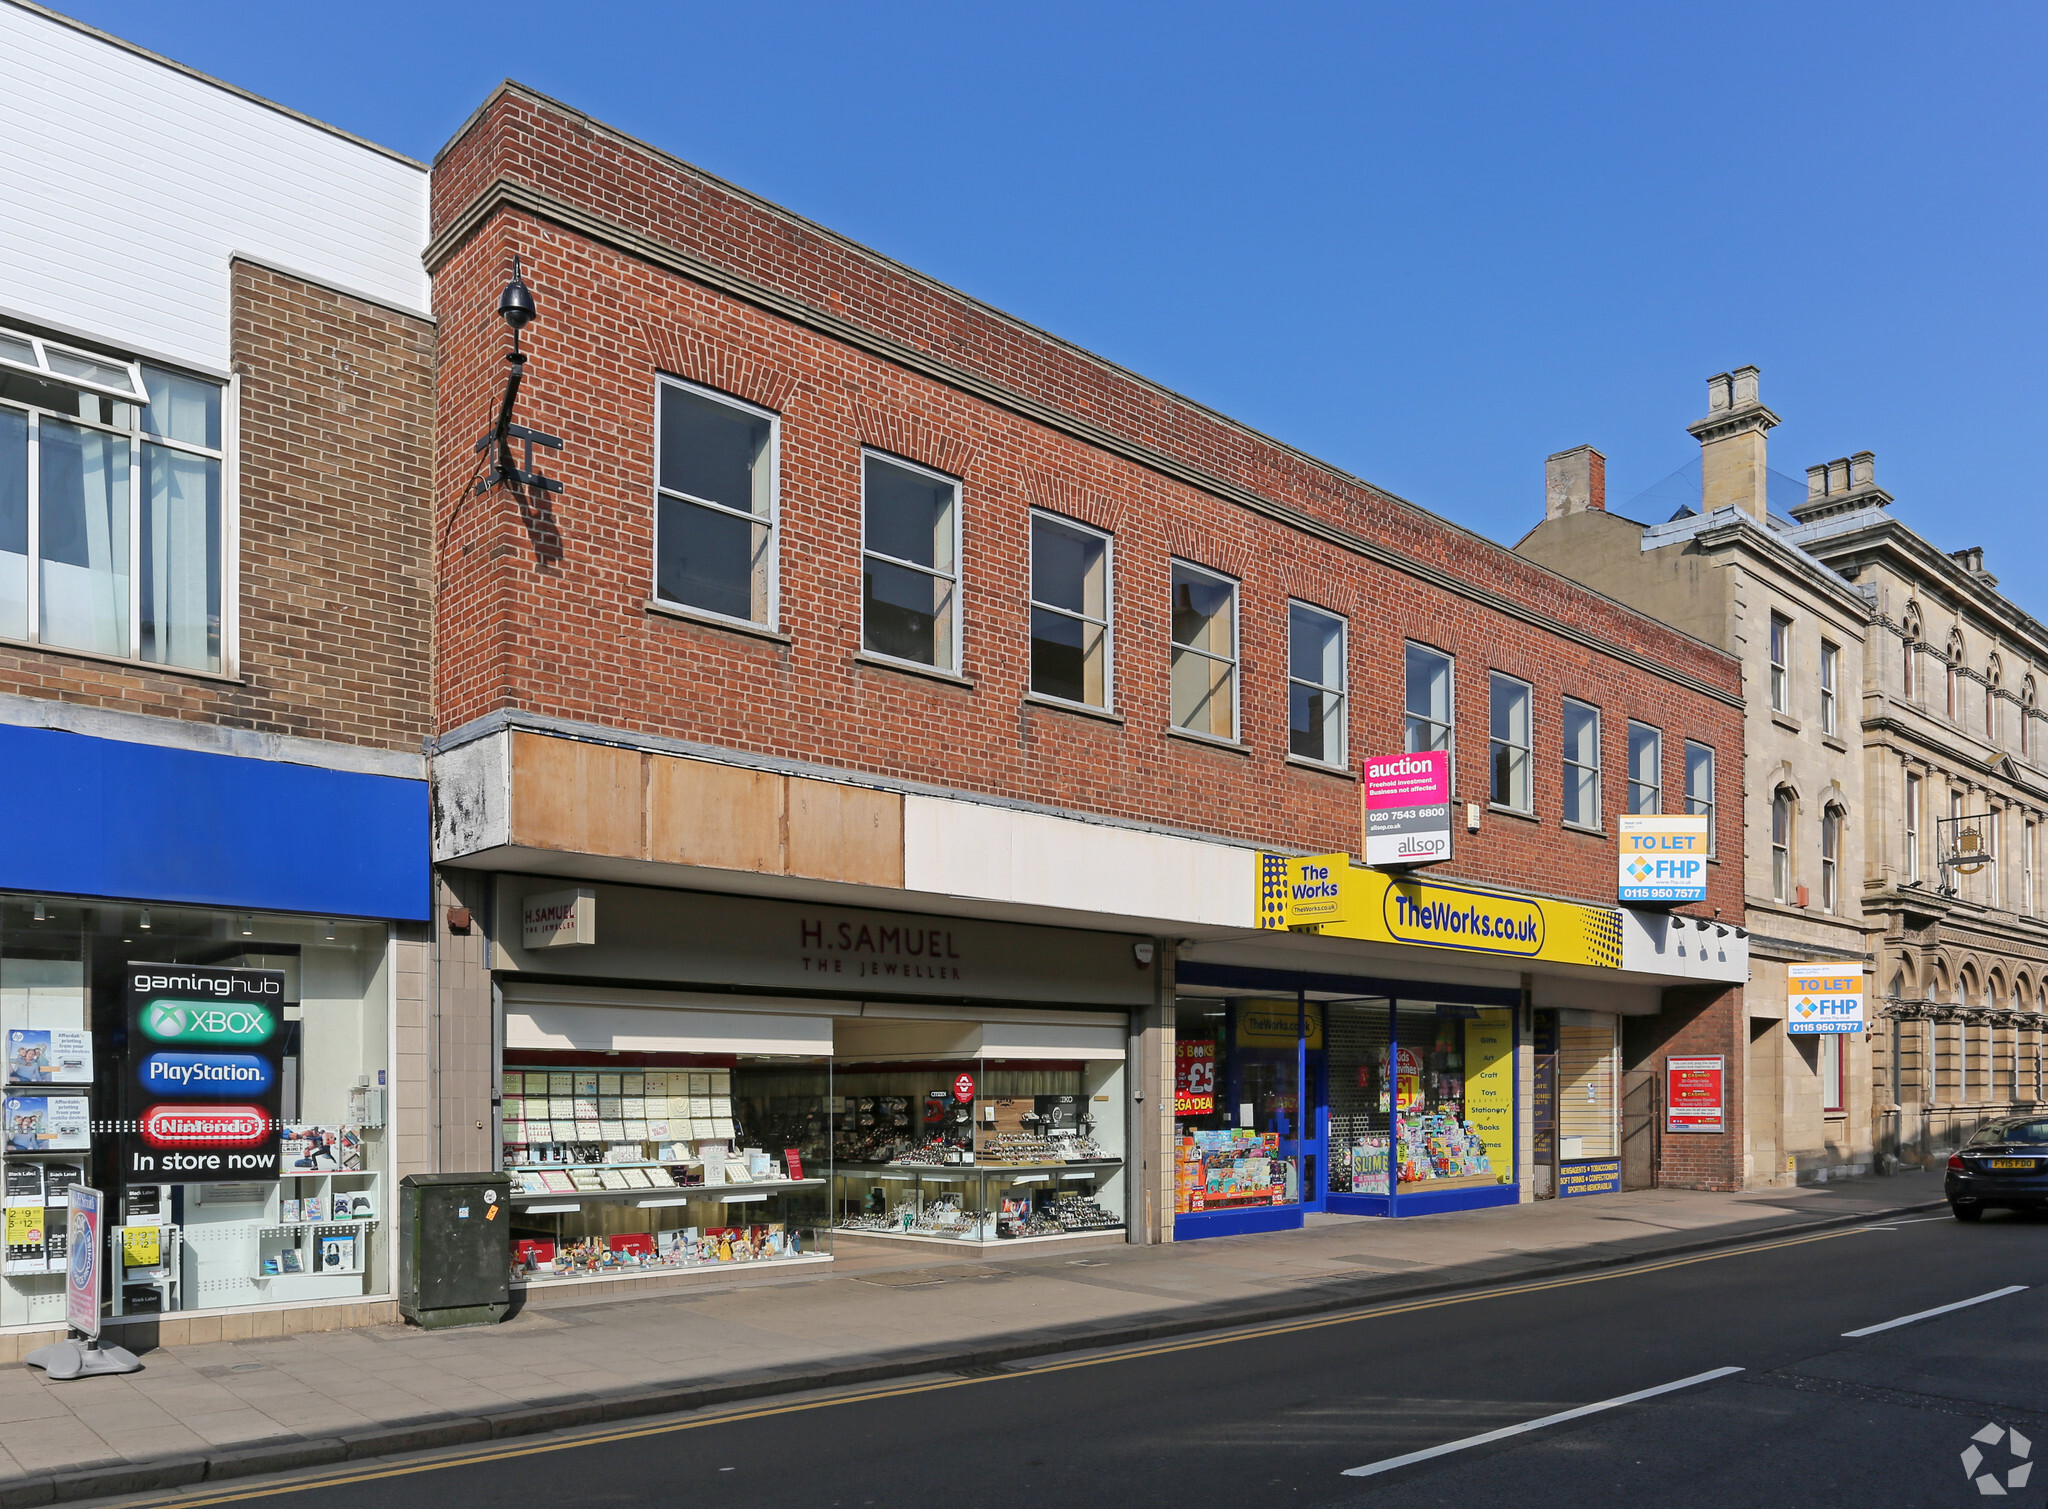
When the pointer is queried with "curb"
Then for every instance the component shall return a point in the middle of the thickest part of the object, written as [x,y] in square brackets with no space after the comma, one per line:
[106,1480]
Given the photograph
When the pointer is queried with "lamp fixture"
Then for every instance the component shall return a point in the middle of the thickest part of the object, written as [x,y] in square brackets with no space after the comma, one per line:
[42,912]
[330,929]
[144,924]
[248,925]
[516,307]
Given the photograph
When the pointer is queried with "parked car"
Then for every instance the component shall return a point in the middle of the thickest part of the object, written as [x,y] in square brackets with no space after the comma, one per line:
[2005,1164]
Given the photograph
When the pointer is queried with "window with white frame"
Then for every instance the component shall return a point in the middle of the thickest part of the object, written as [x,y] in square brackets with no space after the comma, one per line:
[1645,768]
[910,563]
[1831,1083]
[1781,845]
[1781,663]
[1070,612]
[715,504]
[1699,786]
[2027,871]
[1315,684]
[1911,866]
[113,520]
[1203,672]
[1830,676]
[1429,699]
[1830,859]
[1509,740]
[1581,764]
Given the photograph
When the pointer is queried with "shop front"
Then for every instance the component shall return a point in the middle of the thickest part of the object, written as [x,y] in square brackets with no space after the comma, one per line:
[801,1076]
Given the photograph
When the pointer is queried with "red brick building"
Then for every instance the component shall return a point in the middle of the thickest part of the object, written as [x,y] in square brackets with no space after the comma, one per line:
[866,609]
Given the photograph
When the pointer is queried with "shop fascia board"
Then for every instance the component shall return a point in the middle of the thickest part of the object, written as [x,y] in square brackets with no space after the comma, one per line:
[519,992]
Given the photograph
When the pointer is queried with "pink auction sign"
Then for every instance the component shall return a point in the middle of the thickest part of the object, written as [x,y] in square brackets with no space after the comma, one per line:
[1408,809]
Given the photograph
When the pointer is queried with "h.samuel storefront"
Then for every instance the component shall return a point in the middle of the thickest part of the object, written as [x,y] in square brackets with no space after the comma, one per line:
[1398,1045]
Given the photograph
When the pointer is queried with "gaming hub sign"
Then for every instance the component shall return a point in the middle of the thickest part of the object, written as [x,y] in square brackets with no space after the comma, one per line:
[202,1085]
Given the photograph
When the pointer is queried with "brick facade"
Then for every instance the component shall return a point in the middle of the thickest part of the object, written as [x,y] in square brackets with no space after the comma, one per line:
[337,415]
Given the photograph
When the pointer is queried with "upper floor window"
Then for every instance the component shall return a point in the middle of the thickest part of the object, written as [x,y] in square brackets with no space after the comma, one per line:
[1429,699]
[1992,682]
[1509,743]
[910,563]
[2027,699]
[1781,663]
[1912,855]
[1315,684]
[1581,764]
[715,504]
[1645,769]
[2027,871]
[1781,845]
[1954,669]
[1070,612]
[1830,677]
[1909,650]
[113,531]
[1830,859]
[1699,786]
[1204,666]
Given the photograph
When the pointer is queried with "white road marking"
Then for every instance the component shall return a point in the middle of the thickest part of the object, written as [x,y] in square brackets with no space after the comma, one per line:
[1961,1304]
[1505,1431]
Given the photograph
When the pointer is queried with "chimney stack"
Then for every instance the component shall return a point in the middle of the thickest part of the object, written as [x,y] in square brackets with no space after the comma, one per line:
[1574,481]
[1731,437]
[1841,486]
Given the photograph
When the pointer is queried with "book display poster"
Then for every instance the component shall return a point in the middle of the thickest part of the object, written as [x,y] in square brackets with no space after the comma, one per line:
[201,1083]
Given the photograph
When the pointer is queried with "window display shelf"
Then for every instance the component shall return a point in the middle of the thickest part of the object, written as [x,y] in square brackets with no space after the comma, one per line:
[941,1170]
[667,1191]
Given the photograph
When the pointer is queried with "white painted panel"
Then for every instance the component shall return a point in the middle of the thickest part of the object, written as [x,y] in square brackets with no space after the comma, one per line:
[1559,993]
[1653,943]
[1000,1039]
[635,1029]
[129,185]
[958,848]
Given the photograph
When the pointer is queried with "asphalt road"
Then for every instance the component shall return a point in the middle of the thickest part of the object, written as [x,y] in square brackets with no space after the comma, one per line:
[1282,1414]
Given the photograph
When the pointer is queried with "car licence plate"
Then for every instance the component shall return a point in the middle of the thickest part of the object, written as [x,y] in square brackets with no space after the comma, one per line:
[2026,1163]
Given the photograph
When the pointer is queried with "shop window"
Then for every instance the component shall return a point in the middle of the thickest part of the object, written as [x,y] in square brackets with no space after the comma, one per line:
[1446,1070]
[1645,768]
[1832,1088]
[1315,684]
[1430,699]
[1509,744]
[910,572]
[1239,1145]
[1070,612]
[293,1207]
[1203,670]
[633,1163]
[1781,657]
[1699,786]
[1830,674]
[112,536]
[1581,764]
[715,508]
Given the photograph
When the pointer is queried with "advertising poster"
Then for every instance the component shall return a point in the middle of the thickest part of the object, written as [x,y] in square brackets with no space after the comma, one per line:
[48,1124]
[1694,1094]
[82,1281]
[1823,998]
[48,1056]
[1663,860]
[1408,809]
[1194,1078]
[1490,1086]
[202,1082]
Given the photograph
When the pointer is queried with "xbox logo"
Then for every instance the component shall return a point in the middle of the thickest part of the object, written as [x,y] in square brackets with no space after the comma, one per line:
[204,1022]
[2018,1449]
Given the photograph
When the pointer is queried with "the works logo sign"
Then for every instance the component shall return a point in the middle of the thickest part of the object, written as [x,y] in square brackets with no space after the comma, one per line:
[203,1078]
[1450,916]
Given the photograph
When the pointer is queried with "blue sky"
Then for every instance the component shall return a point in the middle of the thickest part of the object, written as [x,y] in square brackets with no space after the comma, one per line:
[1430,244]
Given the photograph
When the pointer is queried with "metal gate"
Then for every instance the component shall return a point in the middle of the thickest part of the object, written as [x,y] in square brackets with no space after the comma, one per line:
[1641,1128]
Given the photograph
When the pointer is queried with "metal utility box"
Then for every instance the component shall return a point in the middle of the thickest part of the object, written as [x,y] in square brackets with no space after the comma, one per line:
[454,1249]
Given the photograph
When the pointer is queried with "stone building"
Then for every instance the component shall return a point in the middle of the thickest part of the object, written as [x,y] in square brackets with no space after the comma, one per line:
[1956,793]
[1737,575]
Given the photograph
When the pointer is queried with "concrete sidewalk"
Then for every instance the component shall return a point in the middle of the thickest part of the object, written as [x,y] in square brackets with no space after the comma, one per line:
[234,1408]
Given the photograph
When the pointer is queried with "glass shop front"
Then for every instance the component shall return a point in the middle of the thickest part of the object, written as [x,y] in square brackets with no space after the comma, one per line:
[1397,1102]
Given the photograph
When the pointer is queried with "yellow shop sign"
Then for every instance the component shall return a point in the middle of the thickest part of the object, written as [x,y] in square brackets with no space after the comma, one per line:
[1327,894]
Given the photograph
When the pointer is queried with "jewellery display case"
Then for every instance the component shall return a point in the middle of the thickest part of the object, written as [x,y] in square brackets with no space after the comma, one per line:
[628,1163]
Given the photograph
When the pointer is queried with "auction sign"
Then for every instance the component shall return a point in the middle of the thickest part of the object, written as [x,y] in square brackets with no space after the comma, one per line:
[1695,1093]
[1408,809]
[202,1085]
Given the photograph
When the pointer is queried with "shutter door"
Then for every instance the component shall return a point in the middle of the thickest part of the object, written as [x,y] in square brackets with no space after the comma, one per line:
[1588,1067]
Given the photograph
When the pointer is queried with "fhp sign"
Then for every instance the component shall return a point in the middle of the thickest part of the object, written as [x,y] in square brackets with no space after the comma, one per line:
[1662,859]
[1407,801]
[1823,998]
[202,1081]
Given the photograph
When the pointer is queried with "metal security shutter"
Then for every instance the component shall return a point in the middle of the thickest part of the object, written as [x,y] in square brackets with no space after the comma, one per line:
[1588,1083]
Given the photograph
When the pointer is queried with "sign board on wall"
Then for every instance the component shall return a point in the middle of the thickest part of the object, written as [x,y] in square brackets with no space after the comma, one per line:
[559,919]
[1662,859]
[1407,801]
[1594,1176]
[204,1078]
[1823,998]
[1695,1094]
[1298,892]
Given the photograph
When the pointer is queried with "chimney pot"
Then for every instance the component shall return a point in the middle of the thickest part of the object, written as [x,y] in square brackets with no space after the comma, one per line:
[1743,386]
[1719,396]
[1838,476]
[1863,469]
[1574,481]
[1816,483]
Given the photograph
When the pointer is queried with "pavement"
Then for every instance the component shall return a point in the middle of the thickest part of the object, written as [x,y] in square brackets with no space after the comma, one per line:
[881,1310]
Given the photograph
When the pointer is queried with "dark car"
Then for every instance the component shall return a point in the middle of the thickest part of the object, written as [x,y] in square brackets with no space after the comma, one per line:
[2005,1164]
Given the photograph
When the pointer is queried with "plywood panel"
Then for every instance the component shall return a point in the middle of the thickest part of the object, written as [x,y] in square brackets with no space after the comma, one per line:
[583,798]
[719,816]
[845,833]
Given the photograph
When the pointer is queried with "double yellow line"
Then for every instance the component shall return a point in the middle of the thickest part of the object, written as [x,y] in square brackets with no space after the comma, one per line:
[342,1477]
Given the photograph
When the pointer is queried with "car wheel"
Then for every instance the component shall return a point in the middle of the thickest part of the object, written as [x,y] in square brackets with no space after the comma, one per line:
[1968,1212]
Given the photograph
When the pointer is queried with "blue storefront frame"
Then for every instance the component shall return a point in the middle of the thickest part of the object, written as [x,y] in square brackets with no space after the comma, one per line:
[97,817]
[1312,1149]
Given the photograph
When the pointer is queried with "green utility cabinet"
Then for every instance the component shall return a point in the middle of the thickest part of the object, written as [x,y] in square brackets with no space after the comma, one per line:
[454,1249]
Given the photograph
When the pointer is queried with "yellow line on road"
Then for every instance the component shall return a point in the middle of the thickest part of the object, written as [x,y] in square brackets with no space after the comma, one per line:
[344,1477]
